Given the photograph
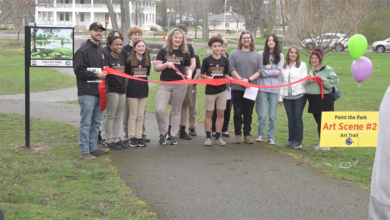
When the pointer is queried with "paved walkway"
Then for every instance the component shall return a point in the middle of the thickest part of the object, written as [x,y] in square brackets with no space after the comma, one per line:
[191,181]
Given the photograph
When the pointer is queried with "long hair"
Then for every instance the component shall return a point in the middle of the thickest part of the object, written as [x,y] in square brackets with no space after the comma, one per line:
[298,60]
[320,58]
[276,51]
[111,34]
[133,56]
[252,46]
[168,46]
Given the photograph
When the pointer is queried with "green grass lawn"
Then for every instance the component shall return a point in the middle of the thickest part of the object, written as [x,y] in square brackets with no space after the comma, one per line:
[370,95]
[50,181]
[12,72]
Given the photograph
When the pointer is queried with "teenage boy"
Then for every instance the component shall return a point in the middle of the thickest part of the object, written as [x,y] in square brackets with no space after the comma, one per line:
[244,65]
[134,34]
[90,55]
[215,66]
[187,100]
[192,110]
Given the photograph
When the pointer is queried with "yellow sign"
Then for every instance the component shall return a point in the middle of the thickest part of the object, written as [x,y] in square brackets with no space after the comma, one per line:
[349,129]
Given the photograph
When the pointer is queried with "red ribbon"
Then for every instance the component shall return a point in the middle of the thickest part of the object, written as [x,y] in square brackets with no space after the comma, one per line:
[213,82]
[102,94]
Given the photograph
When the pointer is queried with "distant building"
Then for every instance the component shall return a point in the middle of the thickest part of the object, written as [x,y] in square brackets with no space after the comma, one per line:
[227,21]
[81,13]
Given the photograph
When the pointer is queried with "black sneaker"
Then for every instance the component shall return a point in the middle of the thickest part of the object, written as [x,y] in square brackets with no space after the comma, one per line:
[184,135]
[162,140]
[144,138]
[289,144]
[133,142]
[125,139]
[122,144]
[114,146]
[100,140]
[168,135]
[192,132]
[141,142]
[173,140]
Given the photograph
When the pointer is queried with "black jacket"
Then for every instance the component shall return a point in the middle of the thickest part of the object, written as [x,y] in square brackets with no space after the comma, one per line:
[88,55]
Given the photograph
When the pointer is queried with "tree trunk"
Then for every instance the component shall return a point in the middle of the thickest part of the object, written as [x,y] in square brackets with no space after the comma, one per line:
[125,19]
[283,19]
[112,15]
[262,34]
[205,26]
[180,12]
[272,15]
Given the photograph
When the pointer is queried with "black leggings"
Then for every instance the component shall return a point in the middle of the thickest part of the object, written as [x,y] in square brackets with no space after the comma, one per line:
[317,117]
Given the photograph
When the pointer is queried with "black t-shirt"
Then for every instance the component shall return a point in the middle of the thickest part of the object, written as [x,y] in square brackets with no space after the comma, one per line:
[116,84]
[191,51]
[127,50]
[216,68]
[197,66]
[135,88]
[180,59]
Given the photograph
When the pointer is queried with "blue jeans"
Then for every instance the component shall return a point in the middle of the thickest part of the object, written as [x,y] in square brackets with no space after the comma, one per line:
[263,100]
[90,121]
[294,109]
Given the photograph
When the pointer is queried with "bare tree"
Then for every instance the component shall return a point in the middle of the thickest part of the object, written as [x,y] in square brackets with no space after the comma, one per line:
[205,30]
[112,14]
[250,9]
[125,19]
[309,20]
[196,13]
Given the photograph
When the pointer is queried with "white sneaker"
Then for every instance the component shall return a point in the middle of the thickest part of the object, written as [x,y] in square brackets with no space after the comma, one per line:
[272,142]
[220,142]
[318,147]
[259,138]
[208,142]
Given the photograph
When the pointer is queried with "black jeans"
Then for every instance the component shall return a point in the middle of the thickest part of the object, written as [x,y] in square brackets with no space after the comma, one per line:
[317,117]
[243,110]
[226,117]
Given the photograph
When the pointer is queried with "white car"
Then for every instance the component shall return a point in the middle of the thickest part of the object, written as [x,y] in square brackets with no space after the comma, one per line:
[381,46]
[334,40]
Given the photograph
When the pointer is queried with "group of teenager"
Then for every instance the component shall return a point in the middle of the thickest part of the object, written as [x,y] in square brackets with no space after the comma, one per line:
[127,98]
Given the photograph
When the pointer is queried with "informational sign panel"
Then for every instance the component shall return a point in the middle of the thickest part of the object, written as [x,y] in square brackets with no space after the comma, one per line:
[51,46]
[349,129]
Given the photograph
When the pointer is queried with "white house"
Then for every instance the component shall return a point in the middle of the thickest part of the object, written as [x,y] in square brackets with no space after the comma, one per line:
[227,21]
[81,13]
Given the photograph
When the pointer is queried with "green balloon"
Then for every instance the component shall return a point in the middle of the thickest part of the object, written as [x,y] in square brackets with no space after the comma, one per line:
[357,46]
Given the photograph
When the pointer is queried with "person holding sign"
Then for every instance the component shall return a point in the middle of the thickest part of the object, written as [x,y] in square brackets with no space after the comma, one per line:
[294,98]
[116,96]
[138,65]
[89,61]
[245,65]
[215,66]
[173,61]
[317,104]
[272,62]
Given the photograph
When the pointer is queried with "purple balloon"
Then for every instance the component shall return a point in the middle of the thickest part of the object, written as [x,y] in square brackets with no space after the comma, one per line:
[361,69]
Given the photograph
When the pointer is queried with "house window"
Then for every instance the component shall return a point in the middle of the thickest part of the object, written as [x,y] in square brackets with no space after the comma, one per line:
[61,16]
[82,16]
[81,1]
[227,25]
[51,17]
[66,16]
[106,15]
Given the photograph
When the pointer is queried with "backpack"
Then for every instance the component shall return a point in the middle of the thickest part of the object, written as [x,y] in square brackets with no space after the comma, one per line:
[335,93]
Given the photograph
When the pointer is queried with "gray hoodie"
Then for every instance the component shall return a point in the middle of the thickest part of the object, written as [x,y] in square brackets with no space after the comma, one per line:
[379,207]
[268,77]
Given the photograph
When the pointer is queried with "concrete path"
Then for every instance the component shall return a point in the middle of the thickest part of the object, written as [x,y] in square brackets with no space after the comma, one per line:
[191,181]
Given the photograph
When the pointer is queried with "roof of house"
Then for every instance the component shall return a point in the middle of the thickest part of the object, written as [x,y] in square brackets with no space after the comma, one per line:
[229,16]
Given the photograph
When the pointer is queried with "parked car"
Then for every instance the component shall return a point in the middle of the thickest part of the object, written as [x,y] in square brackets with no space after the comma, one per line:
[334,40]
[381,46]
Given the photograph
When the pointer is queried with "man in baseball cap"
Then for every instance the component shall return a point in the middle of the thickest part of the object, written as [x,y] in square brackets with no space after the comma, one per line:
[96,25]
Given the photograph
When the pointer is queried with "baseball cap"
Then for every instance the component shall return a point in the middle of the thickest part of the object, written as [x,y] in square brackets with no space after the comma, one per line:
[96,25]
